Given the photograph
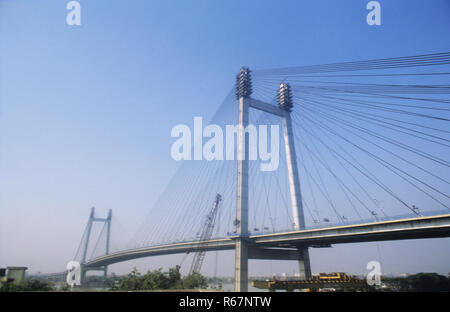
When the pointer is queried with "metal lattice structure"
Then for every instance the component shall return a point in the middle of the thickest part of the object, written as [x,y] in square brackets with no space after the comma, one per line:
[206,235]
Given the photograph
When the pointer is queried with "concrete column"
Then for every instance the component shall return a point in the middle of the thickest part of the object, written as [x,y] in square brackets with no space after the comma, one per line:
[108,231]
[82,275]
[296,196]
[108,240]
[304,263]
[241,254]
[241,266]
[294,183]
[88,234]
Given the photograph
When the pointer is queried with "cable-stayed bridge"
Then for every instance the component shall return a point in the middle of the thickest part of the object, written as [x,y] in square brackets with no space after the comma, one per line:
[361,155]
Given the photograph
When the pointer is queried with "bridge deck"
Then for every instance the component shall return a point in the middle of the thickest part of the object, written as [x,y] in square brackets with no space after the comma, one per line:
[411,228]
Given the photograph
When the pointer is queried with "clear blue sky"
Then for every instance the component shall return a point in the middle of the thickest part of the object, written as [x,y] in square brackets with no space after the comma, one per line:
[86,111]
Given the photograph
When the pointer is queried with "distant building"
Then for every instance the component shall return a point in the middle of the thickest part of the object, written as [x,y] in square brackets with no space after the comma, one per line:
[12,274]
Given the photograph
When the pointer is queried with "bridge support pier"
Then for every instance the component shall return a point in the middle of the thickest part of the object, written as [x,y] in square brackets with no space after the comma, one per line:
[84,270]
[241,266]
[243,92]
[85,243]
[304,263]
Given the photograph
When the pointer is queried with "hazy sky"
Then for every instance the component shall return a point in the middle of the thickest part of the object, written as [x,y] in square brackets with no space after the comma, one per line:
[86,112]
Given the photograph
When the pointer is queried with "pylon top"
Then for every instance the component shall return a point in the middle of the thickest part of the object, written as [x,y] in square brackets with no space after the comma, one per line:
[285,97]
[243,83]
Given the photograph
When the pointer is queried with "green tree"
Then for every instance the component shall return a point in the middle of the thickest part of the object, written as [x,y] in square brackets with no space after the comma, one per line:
[429,282]
[132,282]
[194,281]
[175,279]
[157,279]
[28,285]
[419,282]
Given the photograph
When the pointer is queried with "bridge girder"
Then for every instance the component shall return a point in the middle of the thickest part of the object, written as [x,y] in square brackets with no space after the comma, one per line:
[414,228]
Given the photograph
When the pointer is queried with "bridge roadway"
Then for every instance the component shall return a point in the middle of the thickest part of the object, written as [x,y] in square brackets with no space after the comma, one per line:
[284,245]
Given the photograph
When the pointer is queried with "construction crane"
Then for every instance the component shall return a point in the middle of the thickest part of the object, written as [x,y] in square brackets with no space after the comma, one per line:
[206,234]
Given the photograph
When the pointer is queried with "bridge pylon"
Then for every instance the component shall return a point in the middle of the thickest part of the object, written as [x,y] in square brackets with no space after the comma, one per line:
[285,103]
[85,244]
[243,92]
[243,248]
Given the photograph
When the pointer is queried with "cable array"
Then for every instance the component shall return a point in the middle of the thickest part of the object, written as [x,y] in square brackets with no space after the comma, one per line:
[372,142]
